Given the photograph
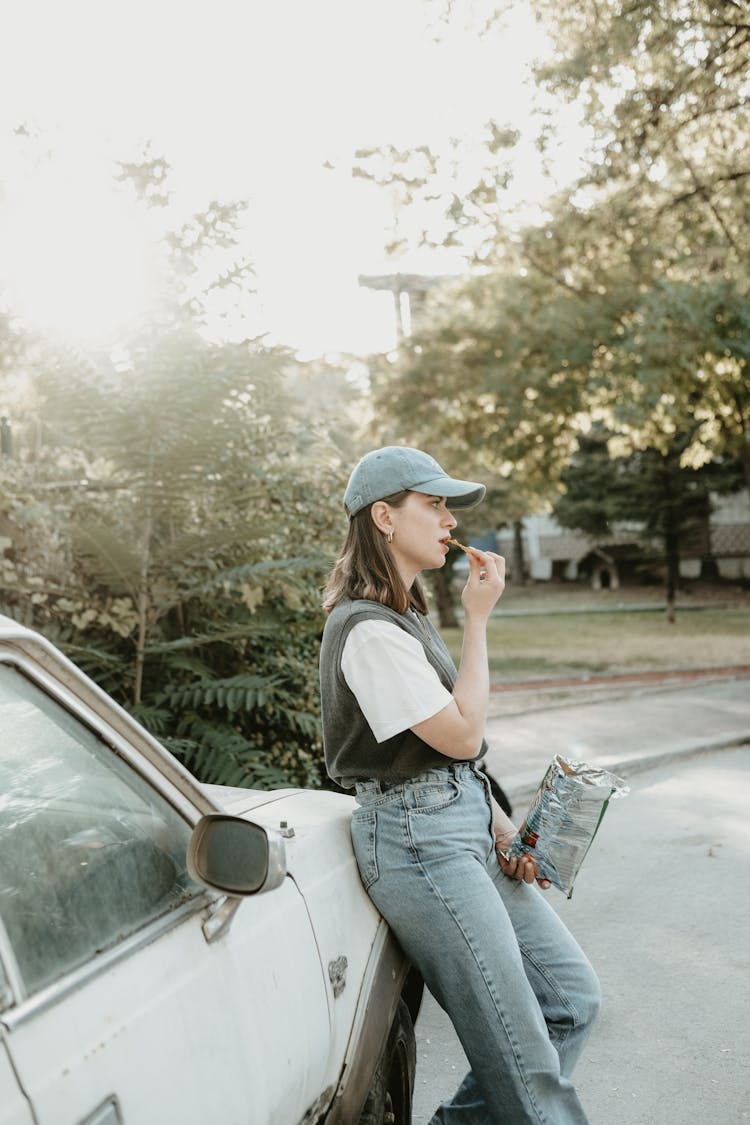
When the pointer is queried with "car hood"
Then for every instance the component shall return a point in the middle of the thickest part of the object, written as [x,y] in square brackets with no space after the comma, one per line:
[266,805]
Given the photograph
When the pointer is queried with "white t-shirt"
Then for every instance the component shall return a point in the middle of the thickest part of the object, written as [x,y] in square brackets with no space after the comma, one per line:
[395,684]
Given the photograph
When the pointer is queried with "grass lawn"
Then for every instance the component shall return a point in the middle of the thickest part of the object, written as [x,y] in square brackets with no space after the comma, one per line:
[553,633]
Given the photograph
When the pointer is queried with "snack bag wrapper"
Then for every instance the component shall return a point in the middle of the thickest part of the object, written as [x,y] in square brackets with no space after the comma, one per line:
[563,818]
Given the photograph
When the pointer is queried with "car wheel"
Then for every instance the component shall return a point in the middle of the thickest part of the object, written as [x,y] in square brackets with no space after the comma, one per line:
[390,1097]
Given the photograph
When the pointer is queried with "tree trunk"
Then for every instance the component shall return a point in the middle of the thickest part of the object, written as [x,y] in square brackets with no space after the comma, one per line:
[709,570]
[672,547]
[745,458]
[140,651]
[518,566]
[6,438]
[441,586]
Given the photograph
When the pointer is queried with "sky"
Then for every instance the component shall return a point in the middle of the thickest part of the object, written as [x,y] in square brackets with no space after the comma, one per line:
[263,100]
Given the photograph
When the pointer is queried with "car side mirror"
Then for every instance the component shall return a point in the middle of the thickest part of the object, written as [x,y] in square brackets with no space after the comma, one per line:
[234,856]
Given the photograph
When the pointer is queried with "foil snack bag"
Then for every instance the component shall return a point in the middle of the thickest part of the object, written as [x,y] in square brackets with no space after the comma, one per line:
[563,818]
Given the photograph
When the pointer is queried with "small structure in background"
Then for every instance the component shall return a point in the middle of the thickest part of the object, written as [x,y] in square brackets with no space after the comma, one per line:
[551,552]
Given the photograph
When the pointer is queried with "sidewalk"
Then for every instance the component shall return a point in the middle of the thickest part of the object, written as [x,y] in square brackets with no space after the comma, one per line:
[624,725]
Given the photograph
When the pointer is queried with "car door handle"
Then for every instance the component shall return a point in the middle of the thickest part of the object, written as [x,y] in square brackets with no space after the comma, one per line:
[108,1113]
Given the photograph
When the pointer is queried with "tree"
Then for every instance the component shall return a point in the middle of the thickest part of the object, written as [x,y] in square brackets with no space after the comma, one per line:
[172,490]
[500,384]
[659,219]
[649,490]
[683,359]
[663,87]
[588,502]
[168,433]
[626,303]
[454,198]
[168,517]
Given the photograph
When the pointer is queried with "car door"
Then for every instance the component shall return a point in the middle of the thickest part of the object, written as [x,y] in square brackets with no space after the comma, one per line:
[119,1009]
[14,1106]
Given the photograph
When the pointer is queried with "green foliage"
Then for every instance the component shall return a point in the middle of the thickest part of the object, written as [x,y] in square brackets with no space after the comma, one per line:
[664,90]
[683,358]
[168,516]
[241,707]
[181,589]
[511,369]
[172,568]
[627,303]
[587,503]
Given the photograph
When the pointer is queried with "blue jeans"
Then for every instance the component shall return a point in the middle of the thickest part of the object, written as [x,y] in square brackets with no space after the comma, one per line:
[494,954]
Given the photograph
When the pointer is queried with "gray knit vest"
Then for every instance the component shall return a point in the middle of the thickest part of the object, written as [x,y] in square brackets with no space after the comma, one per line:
[351,751]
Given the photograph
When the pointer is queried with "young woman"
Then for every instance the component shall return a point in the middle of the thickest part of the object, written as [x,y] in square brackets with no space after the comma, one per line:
[404,729]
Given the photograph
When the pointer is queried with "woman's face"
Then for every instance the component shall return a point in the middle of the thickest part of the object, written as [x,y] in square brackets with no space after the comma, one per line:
[421,526]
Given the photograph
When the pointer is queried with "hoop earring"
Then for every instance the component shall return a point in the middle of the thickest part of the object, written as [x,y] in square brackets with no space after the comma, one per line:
[389,536]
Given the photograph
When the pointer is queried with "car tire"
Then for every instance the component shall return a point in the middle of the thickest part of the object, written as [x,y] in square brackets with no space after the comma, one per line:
[390,1097]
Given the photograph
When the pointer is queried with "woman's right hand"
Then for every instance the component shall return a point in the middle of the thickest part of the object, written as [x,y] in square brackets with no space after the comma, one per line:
[485,583]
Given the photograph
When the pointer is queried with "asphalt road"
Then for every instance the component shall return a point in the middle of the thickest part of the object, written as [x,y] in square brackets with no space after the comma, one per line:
[662,907]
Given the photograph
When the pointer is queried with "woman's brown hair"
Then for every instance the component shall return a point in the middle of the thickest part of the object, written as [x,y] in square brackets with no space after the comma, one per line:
[365,568]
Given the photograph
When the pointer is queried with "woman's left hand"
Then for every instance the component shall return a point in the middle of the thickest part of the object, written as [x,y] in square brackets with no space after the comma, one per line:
[522,867]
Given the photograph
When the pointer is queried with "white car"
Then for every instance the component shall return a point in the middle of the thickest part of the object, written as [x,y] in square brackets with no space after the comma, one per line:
[178,953]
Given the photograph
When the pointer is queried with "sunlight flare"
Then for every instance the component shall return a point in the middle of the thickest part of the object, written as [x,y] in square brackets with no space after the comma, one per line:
[77,262]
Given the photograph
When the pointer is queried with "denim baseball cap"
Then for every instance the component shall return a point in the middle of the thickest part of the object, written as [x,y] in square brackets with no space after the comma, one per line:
[389,470]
